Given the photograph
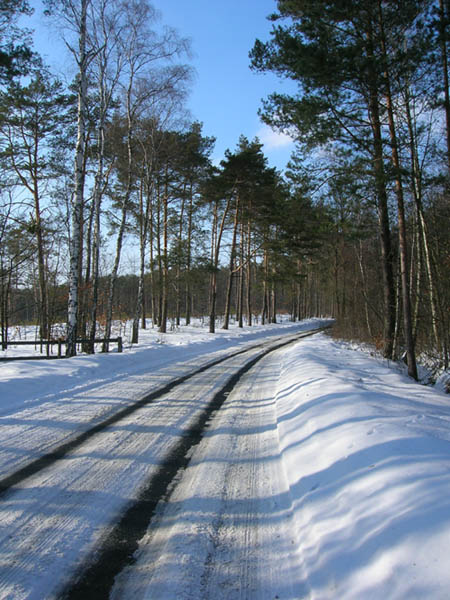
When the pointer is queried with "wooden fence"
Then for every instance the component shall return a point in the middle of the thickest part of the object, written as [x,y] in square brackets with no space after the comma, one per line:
[60,343]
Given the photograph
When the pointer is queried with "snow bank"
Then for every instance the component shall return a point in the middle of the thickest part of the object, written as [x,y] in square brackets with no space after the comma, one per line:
[367,455]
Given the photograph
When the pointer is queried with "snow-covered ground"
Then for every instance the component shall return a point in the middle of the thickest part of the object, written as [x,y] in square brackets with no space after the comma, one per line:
[347,496]
[367,454]
[77,391]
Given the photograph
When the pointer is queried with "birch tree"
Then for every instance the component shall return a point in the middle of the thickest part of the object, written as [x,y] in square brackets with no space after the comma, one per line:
[106,29]
[73,19]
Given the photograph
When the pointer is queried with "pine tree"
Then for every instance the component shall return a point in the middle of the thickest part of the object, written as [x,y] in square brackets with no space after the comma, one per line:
[33,117]
[15,58]
[336,54]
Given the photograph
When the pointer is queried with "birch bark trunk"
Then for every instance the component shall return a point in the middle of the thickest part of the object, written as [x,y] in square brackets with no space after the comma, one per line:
[78,195]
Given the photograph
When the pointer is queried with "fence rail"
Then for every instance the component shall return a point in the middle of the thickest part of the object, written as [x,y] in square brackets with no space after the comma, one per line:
[62,343]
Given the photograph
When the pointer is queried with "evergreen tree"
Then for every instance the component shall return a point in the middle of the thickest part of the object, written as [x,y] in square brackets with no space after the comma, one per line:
[341,55]
[14,57]
[33,117]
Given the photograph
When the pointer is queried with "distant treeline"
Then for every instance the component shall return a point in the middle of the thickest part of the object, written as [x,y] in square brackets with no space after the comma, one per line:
[108,168]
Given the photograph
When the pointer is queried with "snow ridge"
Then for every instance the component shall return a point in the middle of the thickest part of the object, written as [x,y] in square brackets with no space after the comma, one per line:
[367,456]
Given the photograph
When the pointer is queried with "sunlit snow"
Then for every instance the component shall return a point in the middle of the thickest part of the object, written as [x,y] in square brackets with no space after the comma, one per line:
[363,450]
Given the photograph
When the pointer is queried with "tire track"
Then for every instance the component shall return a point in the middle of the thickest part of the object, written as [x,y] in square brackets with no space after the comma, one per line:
[62,450]
[96,579]
[53,477]
[226,525]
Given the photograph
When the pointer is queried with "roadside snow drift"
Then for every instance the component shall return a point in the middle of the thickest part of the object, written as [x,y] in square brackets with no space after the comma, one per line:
[367,455]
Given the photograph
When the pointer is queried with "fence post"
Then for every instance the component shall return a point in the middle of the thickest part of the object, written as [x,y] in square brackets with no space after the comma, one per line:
[119,344]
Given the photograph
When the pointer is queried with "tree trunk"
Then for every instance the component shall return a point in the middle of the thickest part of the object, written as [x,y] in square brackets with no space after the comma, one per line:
[265,305]
[105,92]
[179,258]
[189,259]
[226,320]
[96,201]
[78,199]
[416,274]
[212,302]
[216,240]
[165,265]
[273,303]
[406,300]
[249,274]
[364,288]
[443,19]
[241,279]
[122,226]
[152,272]
[383,212]
[159,258]
[113,278]
[43,300]
[5,291]
[82,296]
[143,227]
[421,223]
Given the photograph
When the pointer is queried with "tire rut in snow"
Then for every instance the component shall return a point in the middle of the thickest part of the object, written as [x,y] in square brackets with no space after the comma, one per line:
[61,451]
[244,577]
[46,460]
[95,581]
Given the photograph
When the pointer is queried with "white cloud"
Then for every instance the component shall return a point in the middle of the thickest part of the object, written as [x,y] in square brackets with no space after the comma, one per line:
[272,139]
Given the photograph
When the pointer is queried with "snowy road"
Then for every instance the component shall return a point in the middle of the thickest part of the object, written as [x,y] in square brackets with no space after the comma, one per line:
[226,530]
[325,474]
[56,518]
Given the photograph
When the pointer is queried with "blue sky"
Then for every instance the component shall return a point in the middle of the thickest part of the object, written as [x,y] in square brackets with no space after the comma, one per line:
[226,94]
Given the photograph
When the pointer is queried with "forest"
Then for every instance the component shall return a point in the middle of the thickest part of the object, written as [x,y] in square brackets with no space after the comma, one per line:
[110,166]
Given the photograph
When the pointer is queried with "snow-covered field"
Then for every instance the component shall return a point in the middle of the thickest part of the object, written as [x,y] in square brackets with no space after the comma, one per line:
[348,492]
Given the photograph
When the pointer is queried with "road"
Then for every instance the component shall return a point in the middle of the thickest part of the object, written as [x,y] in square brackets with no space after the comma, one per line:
[172,499]
[226,530]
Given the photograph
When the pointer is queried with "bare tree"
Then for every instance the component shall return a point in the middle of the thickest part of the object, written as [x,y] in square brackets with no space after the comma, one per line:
[106,29]
[149,73]
[73,18]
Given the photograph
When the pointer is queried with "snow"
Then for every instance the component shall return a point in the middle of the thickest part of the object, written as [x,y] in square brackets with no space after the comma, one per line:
[367,453]
[325,475]
[23,382]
